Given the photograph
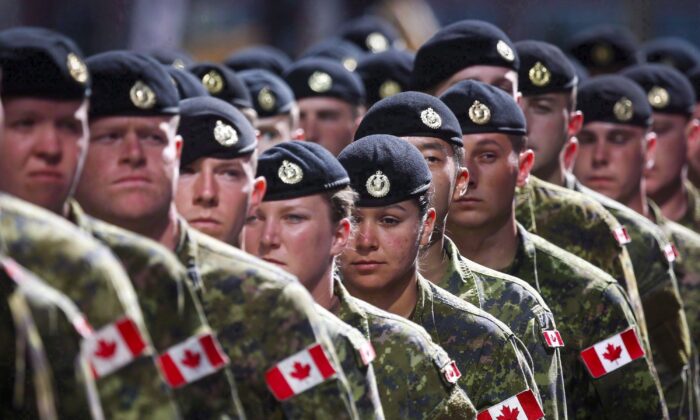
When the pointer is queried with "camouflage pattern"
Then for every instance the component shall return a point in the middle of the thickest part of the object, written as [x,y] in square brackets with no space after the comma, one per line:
[407,364]
[348,343]
[492,360]
[589,306]
[519,306]
[86,272]
[583,227]
[691,218]
[171,310]
[669,335]
[263,315]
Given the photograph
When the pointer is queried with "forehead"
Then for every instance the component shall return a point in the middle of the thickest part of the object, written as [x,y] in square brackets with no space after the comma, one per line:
[429,143]
[243,162]
[126,122]
[403,206]
[316,104]
[602,129]
[274,121]
[308,201]
[674,119]
[41,106]
[479,139]
[558,98]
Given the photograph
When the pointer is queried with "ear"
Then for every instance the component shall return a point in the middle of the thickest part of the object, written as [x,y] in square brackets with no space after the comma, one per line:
[257,194]
[693,131]
[178,146]
[575,123]
[461,184]
[428,226]
[298,134]
[360,112]
[650,151]
[568,154]
[341,236]
[525,161]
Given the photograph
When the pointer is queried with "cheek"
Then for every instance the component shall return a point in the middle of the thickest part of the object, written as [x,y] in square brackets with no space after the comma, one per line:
[400,247]
[234,204]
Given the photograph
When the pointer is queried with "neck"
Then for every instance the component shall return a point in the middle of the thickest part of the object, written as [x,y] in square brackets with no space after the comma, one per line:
[162,228]
[323,291]
[493,247]
[399,299]
[433,261]
[554,175]
[672,199]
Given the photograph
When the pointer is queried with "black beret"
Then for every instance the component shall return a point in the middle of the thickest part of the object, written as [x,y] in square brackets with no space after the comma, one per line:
[385,170]
[271,95]
[411,114]
[211,127]
[299,168]
[694,77]
[604,48]
[128,83]
[676,52]
[458,46]
[319,77]
[175,58]
[188,86]
[544,69]
[223,83]
[344,52]
[482,108]
[41,63]
[371,33]
[386,73]
[259,57]
[614,99]
[581,71]
[667,89]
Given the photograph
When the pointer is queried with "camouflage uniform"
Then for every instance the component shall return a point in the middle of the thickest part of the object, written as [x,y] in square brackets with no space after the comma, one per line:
[171,311]
[492,360]
[691,218]
[669,335]
[407,365]
[519,306]
[263,315]
[88,274]
[590,306]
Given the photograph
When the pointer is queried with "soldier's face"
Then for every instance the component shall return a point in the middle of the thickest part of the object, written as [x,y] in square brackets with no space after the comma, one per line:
[548,119]
[274,130]
[217,195]
[329,122]
[611,159]
[131,168]
[693,157]
[672,132]
[381,255]
[500,77]
[299,236]
[43,149]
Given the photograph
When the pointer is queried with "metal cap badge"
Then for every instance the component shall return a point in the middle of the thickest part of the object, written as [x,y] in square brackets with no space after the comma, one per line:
[290,173]
[225,134]
[479,113]
[320,81]
[658,97]
[76,68]
[378,185]
[431,118]
[213,81]
[505,51]
[539,75]
[623,109]
[389,88]
[376,42]
[349,63]
[266,99]
[142,96]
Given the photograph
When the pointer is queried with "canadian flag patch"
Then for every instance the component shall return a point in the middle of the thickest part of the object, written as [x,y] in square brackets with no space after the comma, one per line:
[553,338]
[621,235]
[612,353]
[113,346]
[523,406]
[299,372]
[366,351]
[192,359]
[451,372]
[671,252]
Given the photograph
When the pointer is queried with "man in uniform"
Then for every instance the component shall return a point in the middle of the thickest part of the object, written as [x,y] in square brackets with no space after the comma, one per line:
[591,309]
[265,320]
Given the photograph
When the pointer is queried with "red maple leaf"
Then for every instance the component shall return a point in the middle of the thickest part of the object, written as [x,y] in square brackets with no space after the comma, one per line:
[105,349]
[508,414]
[301,371]
[612,352]
[191,359]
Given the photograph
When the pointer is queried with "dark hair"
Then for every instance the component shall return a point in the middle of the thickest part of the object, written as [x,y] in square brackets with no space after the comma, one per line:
[342,203]
[424,202]
[518,142]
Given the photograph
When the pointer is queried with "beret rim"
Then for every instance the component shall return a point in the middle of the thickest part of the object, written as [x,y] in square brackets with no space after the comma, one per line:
[307,191]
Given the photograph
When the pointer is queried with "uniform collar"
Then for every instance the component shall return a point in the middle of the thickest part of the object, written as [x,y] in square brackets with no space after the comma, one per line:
[349,310]
[692,213]
[458,271]
[187,252]
[77,216]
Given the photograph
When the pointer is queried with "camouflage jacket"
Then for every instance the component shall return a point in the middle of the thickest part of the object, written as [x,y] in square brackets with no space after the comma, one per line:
[408,365]
[691,218]
[519,306]
[590,306]
[669,335]
[86,272]
[583,227]
[492,360]
[171,310]
[263,316]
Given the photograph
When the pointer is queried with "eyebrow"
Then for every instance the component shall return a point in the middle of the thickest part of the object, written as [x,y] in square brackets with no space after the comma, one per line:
[432,146]
[486,142]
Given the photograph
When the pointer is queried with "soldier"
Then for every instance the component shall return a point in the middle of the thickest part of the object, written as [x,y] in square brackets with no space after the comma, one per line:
[331,101]
[301,226]
[694,148]
[262,57]
[428,124]
[590,307]
[604,49]
[278,112]
[385,74]
[379,266]
[33,145]
[223,83]
[266,322]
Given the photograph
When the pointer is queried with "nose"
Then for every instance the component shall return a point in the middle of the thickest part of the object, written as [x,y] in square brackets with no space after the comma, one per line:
[132,152]
[48,146]
[600,153]
[366,238]
[270,238]
[310,127]
[206,190]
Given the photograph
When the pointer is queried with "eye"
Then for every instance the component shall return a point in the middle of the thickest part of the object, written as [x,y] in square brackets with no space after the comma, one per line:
[487,157]
[389,220]
[294,218]
[233,174]
[618,139]
[23,123]
[187,170]
[432,159]
[107,137]
[72,127]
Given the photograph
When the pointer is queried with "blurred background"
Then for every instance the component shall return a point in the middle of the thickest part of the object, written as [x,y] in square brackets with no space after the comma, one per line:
[212,29]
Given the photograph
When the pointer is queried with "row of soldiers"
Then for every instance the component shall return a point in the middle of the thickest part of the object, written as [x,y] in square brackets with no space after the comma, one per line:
[465,233]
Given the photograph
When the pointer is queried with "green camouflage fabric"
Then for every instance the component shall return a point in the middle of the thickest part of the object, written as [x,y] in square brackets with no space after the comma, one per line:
[86,272]
[590,306]
[171,310]
[492,360]
[583,227]
[519,306]
[691,218]
[407,364]
[349,344]
[669,335]
[262,315]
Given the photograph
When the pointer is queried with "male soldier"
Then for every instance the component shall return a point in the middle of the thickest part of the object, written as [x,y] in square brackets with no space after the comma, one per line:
[428,124]
[385,74]
[266,322]
[331,101]
[593,315]
[614,145]
[223,83]
[278,112]
[46,134]
[694,148]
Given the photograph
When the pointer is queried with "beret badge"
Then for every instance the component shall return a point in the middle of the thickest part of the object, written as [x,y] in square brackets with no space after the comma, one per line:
[539,75]
[349,63]
[266,99]
[505,51]
[225,134]
[389,88]
[378,185]
[602,54]
[376,42]
[479,113]
[213,82]
[290,173]
[142,96]
[658,97]
[623,109]
[76,68]
[431,118]
[320,82]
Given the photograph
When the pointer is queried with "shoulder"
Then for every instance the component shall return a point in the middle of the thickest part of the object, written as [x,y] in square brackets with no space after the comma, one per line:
[577,204]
